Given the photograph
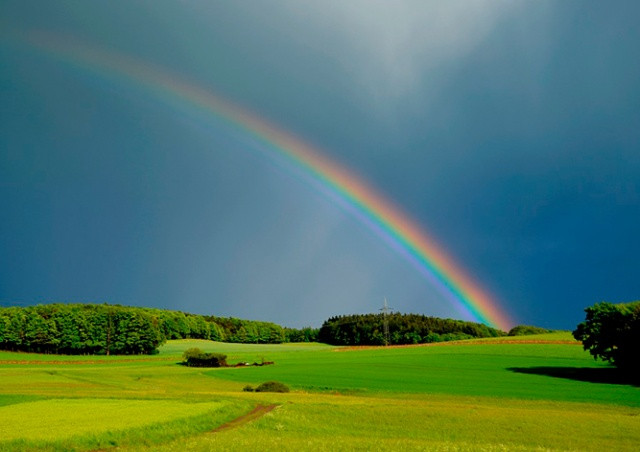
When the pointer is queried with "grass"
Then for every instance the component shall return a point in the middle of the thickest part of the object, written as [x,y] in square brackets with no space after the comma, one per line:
[121,424]
[338,423]
[489,369]
[11,399]
[65,418]
[475,395]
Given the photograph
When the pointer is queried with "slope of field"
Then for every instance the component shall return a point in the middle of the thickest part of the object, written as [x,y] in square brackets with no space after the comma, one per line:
[529,393]
[542,370]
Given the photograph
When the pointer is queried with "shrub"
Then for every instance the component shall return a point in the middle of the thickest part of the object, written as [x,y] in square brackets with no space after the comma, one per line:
[272,386]
[248,388]
[191,353]
[194,357]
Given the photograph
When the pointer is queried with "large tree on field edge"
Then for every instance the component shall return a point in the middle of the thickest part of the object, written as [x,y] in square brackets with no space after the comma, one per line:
[611,332]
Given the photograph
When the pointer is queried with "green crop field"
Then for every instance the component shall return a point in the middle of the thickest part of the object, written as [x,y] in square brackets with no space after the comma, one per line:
[527,393]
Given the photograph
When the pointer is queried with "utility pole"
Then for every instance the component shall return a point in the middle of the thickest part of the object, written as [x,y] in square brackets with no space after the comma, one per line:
[385,310]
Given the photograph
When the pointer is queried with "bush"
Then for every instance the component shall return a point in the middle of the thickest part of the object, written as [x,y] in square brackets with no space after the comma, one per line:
[194,357]
[611,332]
[526,330]
[272,386]
[191,353]
[248,388]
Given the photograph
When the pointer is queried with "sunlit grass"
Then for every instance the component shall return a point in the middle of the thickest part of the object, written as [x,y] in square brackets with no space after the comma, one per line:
[70,417]
[475,369]
[323,422]
[176,348]
[67,424]
[452,397]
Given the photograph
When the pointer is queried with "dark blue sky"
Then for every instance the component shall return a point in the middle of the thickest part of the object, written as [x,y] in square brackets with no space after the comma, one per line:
[509,130]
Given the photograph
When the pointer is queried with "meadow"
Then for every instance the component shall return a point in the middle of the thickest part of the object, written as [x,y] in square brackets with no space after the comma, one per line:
[535,393]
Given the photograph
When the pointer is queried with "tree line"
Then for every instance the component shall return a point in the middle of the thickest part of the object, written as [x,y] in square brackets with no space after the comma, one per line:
[113,329]
[105,329]
[368,329]
[306,334]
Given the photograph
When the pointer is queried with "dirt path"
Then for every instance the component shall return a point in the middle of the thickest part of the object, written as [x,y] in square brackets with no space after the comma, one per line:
[257,412]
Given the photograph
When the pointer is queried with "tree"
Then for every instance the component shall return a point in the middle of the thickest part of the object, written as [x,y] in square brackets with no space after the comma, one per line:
[40,333]
[611,332]
[14,320]
[217,332]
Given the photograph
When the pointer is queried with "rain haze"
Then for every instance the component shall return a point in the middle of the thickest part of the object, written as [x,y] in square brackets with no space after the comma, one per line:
[508,131]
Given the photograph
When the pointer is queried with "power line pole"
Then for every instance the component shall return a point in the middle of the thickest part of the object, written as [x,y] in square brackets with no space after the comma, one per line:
[385,310]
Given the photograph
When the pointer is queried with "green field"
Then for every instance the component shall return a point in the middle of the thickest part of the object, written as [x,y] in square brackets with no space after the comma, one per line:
[528,393]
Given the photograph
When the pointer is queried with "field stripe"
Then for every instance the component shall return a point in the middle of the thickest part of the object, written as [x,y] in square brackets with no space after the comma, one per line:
[80,362]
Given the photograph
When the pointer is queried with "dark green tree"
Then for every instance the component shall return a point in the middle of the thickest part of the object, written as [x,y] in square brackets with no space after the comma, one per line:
[611,332]
[367,329]
[40,332]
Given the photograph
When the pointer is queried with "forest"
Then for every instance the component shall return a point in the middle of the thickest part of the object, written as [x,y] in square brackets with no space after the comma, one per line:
[368,329]
[105,329]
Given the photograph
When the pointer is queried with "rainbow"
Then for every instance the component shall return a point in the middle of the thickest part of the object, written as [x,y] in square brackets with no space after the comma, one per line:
[361,200]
